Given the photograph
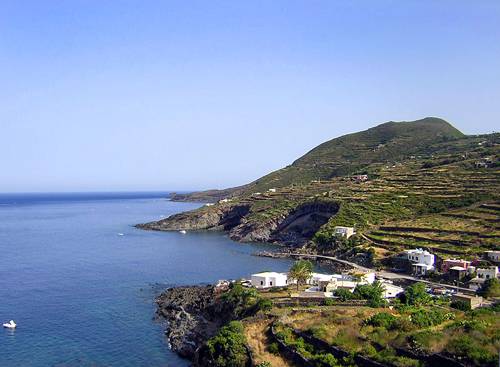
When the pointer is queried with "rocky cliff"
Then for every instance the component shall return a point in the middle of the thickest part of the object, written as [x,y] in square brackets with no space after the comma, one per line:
[294,226]
[194,314]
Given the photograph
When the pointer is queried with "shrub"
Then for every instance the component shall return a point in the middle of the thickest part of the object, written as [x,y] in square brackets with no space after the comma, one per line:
[490,288]
[329,302]
[273,348]
[382,319]
[426,318]
[403,324]
[326,360]
[415,295]
[466,346]
[425,339]
[343,294]
[319,332]
[460,305]
[264,364]
[264,305]
[227,348]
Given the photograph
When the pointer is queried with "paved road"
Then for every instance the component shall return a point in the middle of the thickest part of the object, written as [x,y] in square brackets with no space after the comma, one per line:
[382,273]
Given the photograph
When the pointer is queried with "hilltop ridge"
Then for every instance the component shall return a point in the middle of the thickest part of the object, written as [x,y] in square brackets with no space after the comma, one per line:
[347,154]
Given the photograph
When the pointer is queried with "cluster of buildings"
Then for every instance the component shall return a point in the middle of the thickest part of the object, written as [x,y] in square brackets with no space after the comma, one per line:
[422,262]
[484,162]
[323,285]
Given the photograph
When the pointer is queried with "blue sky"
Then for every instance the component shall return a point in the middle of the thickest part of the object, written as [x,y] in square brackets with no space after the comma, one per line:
[147,95]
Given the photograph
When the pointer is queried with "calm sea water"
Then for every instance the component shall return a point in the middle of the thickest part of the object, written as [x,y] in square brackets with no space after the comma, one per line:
[82,294]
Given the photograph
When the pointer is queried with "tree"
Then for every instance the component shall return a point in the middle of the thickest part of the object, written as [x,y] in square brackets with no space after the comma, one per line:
[374,293]
[415,295]
[490,288]
[301,272]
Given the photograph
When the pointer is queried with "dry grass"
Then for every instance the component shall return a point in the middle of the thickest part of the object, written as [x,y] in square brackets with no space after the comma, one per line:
[255,332]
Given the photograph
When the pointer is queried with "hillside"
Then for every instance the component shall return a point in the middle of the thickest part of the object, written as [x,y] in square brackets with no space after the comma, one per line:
[348,154]
[423,174]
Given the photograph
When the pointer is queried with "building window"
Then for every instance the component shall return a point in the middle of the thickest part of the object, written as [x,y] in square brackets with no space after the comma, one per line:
[271,283]
[261,282]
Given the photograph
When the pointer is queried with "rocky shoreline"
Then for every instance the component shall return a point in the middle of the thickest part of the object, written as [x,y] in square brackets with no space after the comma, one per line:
[194,314]
[293,229]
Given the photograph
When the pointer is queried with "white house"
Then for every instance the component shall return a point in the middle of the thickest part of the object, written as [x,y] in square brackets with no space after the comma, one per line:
[367,278]
[487,273]
[493,255]
[319,277]
[422,260]
[344,231]
[391,290]
[269,279]
[272,190]
[476,283]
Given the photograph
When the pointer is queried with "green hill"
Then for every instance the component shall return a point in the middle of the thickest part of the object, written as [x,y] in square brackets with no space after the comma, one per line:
[353,153]
[349,154]
[428,185]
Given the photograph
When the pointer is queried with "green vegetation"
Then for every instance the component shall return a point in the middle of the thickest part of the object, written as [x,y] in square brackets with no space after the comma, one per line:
[473,336]
[301,272]
[415,295]
[244,301]
[317,358]
[227,348]
[424,189]
[343,294]
[491,288]
[354,153]
[373,293]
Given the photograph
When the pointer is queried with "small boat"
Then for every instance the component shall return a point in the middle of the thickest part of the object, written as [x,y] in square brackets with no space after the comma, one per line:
[183,232]
[121,234]
[10,325]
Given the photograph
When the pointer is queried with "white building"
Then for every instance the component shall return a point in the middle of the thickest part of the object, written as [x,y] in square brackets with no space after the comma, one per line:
[483,274]
[476,283]
[493,255]
[319,277]
[367,278]
[272,190]
[344,231]
[487,273]
[269,279]
[391,290]
[422,260]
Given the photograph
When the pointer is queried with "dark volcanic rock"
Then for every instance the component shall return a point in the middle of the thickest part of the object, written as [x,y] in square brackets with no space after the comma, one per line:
[294,229]
[218,218]
[194,314]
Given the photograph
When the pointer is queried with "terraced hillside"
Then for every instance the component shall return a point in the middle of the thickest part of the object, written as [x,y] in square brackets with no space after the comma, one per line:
[441,193]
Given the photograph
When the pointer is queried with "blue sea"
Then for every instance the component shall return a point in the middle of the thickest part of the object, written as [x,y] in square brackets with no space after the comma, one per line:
[80,280]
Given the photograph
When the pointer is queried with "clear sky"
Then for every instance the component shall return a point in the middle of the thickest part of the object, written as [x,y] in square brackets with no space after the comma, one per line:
[147,95]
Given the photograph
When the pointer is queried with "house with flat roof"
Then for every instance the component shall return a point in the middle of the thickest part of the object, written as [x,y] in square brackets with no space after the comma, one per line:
[422,260]
[391,290]
[471,301]
[450,263]
[269,279]
[493,256]
[487,273]
[344,231]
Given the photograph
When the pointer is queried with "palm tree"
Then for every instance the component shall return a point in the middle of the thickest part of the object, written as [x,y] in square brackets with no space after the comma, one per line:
[301,271]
